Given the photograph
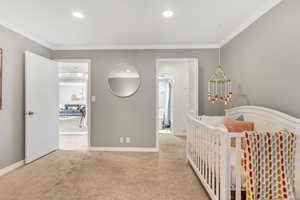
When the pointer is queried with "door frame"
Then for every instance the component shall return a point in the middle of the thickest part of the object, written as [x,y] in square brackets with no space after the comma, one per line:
[89,92]
[195,61]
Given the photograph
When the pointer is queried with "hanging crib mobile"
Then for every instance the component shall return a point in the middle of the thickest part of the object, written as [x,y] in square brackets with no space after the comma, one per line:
[219,86]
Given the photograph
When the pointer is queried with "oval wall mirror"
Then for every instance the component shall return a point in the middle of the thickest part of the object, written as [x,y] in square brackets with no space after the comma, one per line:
[124,80]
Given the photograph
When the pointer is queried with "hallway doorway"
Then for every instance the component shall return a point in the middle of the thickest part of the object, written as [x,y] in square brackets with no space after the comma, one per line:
[73,104]
[165,103]
[177,94]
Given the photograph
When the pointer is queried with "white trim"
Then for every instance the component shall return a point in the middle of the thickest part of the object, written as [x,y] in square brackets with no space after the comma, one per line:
[124,149]
[103,47]
[73,133]
[89,104]
[259,13]
[157,104]
[196,62]
[26,34]
[128,47]
[11,167]
[180,134]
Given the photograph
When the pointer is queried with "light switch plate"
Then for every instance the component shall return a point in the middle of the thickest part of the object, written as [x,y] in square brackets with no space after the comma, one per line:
[128,140]
[121,140]
[93,98]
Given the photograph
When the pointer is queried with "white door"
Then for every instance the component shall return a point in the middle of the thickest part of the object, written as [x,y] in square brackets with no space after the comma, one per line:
[193,88]
[41,106]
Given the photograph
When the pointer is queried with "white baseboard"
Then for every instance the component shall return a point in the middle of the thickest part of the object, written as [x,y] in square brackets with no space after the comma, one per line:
[180,134]
[125,149]
[11,167]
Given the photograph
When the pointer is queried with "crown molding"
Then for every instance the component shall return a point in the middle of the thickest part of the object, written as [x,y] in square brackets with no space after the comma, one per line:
[259,13]
[25,34]
[102,47]
[137,47]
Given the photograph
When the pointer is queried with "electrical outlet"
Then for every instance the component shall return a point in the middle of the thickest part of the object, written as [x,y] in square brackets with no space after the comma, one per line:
[121,140]
[127,139]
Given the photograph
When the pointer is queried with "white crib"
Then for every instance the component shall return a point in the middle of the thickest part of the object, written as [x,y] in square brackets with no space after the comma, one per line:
[210,154]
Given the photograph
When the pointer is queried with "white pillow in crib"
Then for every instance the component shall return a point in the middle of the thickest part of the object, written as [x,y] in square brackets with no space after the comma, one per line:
[223,127]
[213,120]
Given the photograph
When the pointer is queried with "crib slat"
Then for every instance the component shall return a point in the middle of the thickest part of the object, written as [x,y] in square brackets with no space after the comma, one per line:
[187,140]
[191,142]
[205,143]
[213,162]
[238,169]
[207,156]
[218,168]
[225,168]
[194,144]
[202,150]
[210,158]
[198,148]
[203,153]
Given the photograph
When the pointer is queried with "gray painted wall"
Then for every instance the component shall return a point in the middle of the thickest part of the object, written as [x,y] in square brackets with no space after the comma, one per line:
[12,126]
[263,61]
[134,116]
[113,117]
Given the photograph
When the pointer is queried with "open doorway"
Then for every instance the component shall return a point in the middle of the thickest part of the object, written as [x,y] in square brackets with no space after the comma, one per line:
[177,94]
[73,104]
[165,86]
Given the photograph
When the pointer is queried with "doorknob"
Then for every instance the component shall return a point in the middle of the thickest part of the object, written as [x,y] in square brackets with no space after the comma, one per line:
[30,113]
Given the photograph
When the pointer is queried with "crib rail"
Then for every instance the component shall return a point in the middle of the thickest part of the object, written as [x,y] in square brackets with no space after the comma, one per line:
[209,153]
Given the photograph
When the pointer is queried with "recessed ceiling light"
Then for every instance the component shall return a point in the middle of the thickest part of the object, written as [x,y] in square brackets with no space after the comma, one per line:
[78,15]
[168,13]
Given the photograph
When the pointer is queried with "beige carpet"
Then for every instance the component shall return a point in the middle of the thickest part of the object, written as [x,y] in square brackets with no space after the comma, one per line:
[70,175]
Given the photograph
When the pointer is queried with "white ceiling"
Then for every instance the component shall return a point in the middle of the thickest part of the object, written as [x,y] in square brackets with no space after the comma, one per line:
[130,24]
